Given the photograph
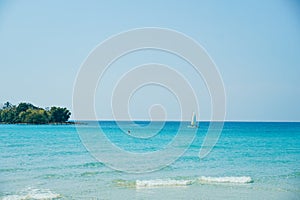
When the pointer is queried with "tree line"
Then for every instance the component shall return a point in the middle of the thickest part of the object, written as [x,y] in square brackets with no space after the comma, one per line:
[30,114]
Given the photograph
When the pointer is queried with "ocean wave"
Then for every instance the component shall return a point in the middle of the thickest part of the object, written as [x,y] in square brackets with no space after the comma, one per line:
[183,181]
[162,182]
[226,179]
[124,183]
[33,193]
[92,173]
[93,164]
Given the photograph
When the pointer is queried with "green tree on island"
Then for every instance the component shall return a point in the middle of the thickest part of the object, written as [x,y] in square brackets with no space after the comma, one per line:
[30,114]
[58,114]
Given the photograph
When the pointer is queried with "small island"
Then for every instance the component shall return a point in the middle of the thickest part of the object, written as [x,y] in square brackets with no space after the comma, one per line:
[27,113]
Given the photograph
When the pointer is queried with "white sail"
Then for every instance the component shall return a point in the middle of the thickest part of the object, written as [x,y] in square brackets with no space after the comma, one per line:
[193,121]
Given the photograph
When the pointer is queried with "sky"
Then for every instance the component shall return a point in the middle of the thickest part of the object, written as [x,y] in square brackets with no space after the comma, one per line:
[254,44]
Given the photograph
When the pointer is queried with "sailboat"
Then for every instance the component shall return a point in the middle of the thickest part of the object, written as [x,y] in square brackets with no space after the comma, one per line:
[194,121]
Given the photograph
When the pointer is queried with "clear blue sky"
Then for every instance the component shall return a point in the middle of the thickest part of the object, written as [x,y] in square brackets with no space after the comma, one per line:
[255,44]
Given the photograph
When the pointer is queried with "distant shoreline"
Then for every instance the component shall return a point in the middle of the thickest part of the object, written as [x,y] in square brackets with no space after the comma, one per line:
[86,122]
[63,123]
[27,113]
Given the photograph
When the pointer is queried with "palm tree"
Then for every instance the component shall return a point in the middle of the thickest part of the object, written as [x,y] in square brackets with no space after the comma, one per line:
[7,105]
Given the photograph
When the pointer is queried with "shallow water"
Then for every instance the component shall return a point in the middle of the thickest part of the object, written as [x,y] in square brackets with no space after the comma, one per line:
[250,160]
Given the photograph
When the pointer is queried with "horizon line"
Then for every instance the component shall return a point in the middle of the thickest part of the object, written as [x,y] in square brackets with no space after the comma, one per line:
[143,120]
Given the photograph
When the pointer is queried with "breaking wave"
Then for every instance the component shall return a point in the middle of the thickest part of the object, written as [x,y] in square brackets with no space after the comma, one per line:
[162,182]
[226,179]
[34,194]
[184,181]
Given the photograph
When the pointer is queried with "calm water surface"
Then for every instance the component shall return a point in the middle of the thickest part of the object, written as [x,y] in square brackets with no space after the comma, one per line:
[250,161]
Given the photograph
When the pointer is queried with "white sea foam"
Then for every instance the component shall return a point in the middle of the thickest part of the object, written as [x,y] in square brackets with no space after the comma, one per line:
[32,193]
[226,179]
[187,181]
[162,182]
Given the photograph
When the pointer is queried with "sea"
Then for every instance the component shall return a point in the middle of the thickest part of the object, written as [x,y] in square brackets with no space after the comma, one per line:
[249,160]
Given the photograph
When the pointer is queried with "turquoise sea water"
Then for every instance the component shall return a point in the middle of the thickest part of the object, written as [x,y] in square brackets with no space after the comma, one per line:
[250,161]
